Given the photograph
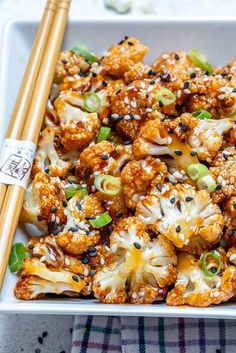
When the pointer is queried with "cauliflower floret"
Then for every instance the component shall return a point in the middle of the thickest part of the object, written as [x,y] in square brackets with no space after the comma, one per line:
[78,235]
[155,140]
[44,203]
[103,158]
[78,127]
[184,215]
[47,158]
[37,280]
[194,288]
[137,177]
[122,56]
[141,269]
[69,64]
[207,137]
[223,171]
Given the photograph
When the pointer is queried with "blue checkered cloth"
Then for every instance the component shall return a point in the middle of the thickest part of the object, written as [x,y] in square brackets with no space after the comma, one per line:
[99,334]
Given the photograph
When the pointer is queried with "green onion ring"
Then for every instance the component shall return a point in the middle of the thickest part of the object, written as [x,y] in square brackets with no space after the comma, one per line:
[200,60]
[201,114]
[101,220]
[92,102]
[165,96]
[85,53]
[73,189]
[204,264]
[207,182]
[104,133]
[107,184]
[197,170]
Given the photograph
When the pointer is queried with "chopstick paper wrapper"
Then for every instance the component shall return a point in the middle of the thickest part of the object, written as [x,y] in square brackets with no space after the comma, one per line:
[16,161]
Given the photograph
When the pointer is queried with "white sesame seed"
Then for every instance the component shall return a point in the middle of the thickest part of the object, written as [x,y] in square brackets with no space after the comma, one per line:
[232,257]
[150,88]
[181,236]
[187,91]
[43,258]
[221,96]
[52,257]
[149,110]
[65,212]
[133,104]
[126,117]
[67,261]
[137,117]
[141,294]
[96,173]
[126,100]
[216,294]
[134,295]
[53,217]
[57,220]
[86,272]
[169,140]
[179,93]
[165,56]
[142,85]
[219,179]
[102,261]
[115,116]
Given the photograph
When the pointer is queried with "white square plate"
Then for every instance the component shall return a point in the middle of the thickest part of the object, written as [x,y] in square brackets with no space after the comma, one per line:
[215,38]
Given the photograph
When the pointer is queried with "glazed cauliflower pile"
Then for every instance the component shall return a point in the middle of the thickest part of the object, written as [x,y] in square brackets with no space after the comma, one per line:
[134,181]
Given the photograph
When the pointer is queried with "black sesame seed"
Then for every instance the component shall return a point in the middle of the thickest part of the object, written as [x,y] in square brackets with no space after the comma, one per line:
[130,43]
[218,350]
[71,330]
[62,227]
[147,95]
[218,187]
[137,245]
[71,181]
[152,73]
[56,232]
[172,200]
[131,116]
[180,182]
[178,152]
[119,90]
[64,62]
[161,105]
[119,214]
[234,90]
[105,157]
[234,206]
[55,226]
[53,209]
[231,232]
[126,37]
[72,229]
[152,82]
[92,248]
[184,127]
[207,73]
[104,83]
[193,153]
[159,188]
[62,351]
[75,278]
[225,156]
[186,85]
[176,56]
[81,276]
[213,269]
[94,74]
[85,260]
[37,350]
[188,199]
[165,77]
[46,170]
[193,75]
[40,340]
[92,254]
[121,42]
[78,205]
[30,247]
[88,218]
[44,334]
[178,229]
[128,142]
[64,203]
[93,272]
[167,179]
[87,232]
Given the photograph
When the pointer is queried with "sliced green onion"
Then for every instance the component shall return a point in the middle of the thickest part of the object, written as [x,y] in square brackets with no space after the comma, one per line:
[206,183]
[83,192]
[85,53]
[197,170]
[104,133]
[107,184]
[201,114]
[17,256]
[204,264]
[73,189]
[165,96]
[92,102]
[101,220]
[200,60]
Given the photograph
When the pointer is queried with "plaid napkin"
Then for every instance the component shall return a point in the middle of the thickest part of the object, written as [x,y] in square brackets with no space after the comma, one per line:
[99,334]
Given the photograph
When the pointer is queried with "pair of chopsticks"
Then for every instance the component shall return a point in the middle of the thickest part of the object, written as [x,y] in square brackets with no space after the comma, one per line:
[28,113]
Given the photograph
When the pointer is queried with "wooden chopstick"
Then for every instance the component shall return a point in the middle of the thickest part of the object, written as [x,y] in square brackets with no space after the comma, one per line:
[14,197]
[21,107]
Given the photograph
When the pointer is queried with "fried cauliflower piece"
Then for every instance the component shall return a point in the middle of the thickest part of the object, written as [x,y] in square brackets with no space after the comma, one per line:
[139,71]
[92,161]
[193,288]
[137,176]
[43,203]
[115,206]
[187,217]
[78,127]
[47,158]
[37,280]
[223,171]
[207,137]
[141,269]
[69,64]
[154,139]
[231,255]
[122,56]
[78,236]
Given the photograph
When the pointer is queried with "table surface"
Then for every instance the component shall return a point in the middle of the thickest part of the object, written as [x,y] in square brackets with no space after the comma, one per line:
[20,333]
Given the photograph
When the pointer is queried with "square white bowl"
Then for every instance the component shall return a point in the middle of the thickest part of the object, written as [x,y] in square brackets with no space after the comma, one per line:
[215,38]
